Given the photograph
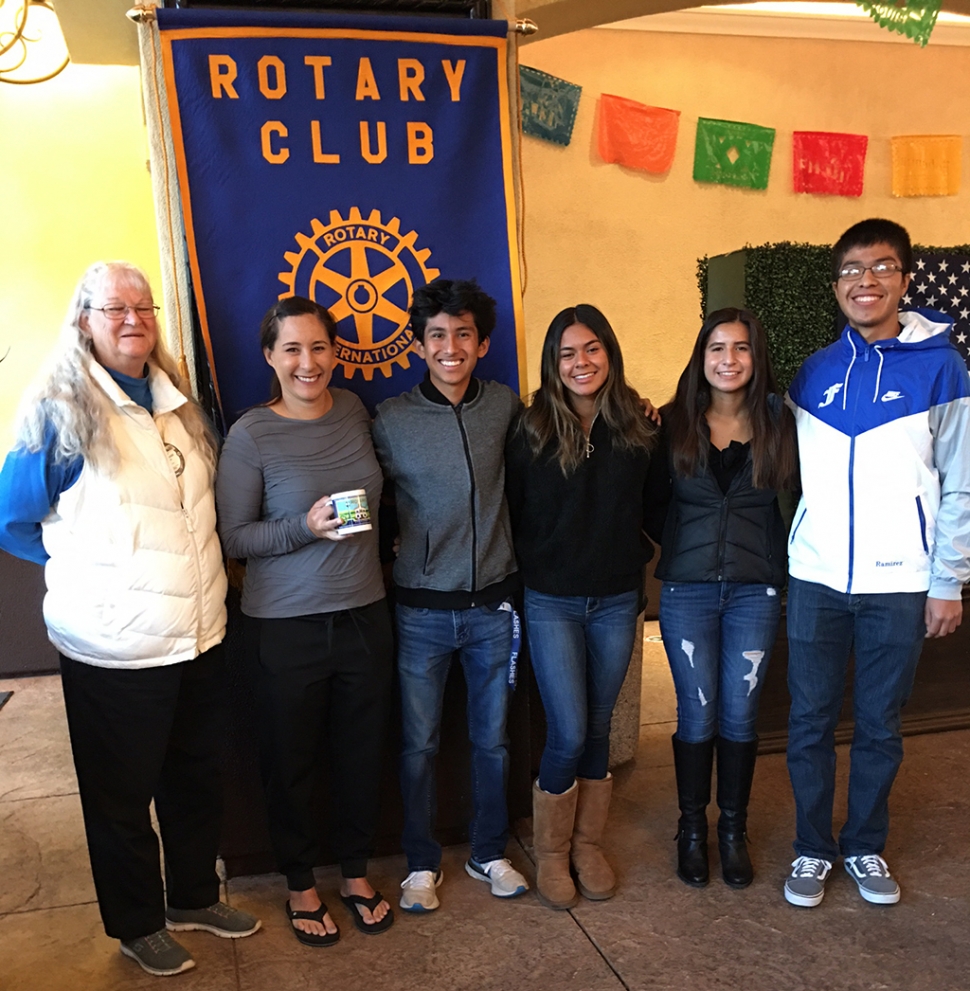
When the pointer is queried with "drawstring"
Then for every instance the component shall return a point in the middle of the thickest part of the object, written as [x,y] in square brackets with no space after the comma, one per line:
[351,614]
[848,372]
[878,351]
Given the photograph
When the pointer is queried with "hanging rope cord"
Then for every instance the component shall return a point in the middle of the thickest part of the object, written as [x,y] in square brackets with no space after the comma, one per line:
[519,178]
[515,87]
[152,37]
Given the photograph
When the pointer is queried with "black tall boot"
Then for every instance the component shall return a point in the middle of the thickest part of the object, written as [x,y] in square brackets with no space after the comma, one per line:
[693,763]
[735,770]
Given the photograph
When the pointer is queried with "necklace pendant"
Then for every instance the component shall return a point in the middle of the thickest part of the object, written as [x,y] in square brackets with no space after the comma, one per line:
[589,449]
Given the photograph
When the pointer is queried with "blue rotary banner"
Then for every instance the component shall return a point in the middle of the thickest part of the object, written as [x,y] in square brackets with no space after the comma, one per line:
[346,158]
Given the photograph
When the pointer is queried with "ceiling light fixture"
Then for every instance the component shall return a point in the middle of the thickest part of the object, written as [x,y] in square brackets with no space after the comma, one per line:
[32,48]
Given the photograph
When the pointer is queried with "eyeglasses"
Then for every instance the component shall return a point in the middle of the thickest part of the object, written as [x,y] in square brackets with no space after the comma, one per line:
[881,270]
[117,312]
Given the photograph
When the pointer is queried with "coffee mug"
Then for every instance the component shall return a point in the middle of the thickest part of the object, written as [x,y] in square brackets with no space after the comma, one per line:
[351,507]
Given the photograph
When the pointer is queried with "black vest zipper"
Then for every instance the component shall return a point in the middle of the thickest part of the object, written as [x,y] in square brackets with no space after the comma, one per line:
[722,537]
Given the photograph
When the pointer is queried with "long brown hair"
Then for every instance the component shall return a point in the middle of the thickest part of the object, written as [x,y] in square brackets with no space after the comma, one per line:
[774,454]
[551,418]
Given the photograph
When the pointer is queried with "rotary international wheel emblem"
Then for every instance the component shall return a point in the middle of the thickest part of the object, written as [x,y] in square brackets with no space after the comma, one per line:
[363,272]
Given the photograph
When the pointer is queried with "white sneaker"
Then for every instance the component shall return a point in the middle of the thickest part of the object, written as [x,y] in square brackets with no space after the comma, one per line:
[505,880]
[871,873]
[418,891]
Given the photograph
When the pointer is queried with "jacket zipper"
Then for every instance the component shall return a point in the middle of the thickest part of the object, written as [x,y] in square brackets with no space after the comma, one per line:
[471,479]
[722,523]
[198,573]
[190,528]
[722,538]
[852,440]
[922,524]
[589,446]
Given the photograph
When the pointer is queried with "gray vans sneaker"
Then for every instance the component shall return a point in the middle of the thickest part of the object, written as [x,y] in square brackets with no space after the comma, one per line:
[806,883]
[871,873]
[158,954]
[219,919]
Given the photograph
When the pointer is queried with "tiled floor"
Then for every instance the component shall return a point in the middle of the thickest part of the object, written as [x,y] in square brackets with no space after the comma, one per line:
[655,934]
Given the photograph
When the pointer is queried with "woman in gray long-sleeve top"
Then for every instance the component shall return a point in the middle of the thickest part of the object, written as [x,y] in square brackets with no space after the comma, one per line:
[325,643]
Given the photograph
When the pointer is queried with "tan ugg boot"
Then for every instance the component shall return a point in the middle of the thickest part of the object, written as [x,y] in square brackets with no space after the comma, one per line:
[596,879]
[552,827]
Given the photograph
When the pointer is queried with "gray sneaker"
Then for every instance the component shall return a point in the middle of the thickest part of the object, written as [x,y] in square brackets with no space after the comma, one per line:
[158,954]
[871,873]
[219,919]
[806,883]
[505,880]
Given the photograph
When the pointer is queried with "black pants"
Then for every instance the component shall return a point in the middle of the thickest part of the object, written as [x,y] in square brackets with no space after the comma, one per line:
[139,734]
[323,685]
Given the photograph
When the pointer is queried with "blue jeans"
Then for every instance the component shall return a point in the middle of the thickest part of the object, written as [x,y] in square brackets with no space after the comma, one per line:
[886,631]
[718,638]
[580,649]
[427,638]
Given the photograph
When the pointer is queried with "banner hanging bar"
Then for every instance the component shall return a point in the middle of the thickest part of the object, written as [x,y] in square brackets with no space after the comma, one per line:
[143,13]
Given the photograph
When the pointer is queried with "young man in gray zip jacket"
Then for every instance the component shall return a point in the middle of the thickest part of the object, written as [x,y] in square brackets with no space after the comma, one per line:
[442,446]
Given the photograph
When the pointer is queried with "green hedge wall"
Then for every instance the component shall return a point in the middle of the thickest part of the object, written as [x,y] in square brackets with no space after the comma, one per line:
[789,286]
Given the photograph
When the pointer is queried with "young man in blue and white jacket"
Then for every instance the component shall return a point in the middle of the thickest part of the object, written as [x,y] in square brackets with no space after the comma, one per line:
[879,549]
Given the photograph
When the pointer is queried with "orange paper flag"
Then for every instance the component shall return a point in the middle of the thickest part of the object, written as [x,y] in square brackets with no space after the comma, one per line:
[636,135]
[926,164]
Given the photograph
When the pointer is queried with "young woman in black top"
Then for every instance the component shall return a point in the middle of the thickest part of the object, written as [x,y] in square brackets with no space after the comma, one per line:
[729,444]
[576,477]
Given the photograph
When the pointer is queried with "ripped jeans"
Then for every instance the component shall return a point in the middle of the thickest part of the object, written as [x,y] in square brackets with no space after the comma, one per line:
[718,637]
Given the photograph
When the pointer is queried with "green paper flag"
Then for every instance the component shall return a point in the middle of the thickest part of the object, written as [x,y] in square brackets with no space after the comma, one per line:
[549,105]
[915,19]
[733,153]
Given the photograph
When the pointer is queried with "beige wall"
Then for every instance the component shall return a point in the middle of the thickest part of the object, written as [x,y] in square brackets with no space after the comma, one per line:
[628,242]
[75,188]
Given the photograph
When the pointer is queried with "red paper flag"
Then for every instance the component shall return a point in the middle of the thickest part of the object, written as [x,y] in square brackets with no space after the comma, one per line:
[823,162]
[636,135]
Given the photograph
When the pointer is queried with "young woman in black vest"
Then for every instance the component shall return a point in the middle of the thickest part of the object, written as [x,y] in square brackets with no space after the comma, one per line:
[728,441]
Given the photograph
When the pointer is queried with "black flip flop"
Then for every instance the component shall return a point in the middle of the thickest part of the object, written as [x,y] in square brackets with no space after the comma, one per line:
[311,939]
[371,928]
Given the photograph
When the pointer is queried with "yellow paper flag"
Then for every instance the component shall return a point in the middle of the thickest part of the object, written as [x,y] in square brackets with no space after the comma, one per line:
[926,164]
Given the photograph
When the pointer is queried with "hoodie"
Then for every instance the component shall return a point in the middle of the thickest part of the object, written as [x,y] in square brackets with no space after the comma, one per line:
[884,443]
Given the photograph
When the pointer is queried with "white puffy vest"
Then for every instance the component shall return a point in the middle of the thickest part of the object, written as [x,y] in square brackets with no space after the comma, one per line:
[135,577]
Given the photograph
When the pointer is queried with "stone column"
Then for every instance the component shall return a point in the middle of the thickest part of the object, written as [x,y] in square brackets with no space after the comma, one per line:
[625,728]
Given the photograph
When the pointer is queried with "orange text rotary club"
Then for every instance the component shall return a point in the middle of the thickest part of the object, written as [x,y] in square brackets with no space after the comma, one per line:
[406,80]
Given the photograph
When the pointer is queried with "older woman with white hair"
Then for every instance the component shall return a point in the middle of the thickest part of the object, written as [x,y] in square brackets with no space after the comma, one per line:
[109,487]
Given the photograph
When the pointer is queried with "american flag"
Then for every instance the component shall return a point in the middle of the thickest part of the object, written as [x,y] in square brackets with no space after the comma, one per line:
[942,282]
